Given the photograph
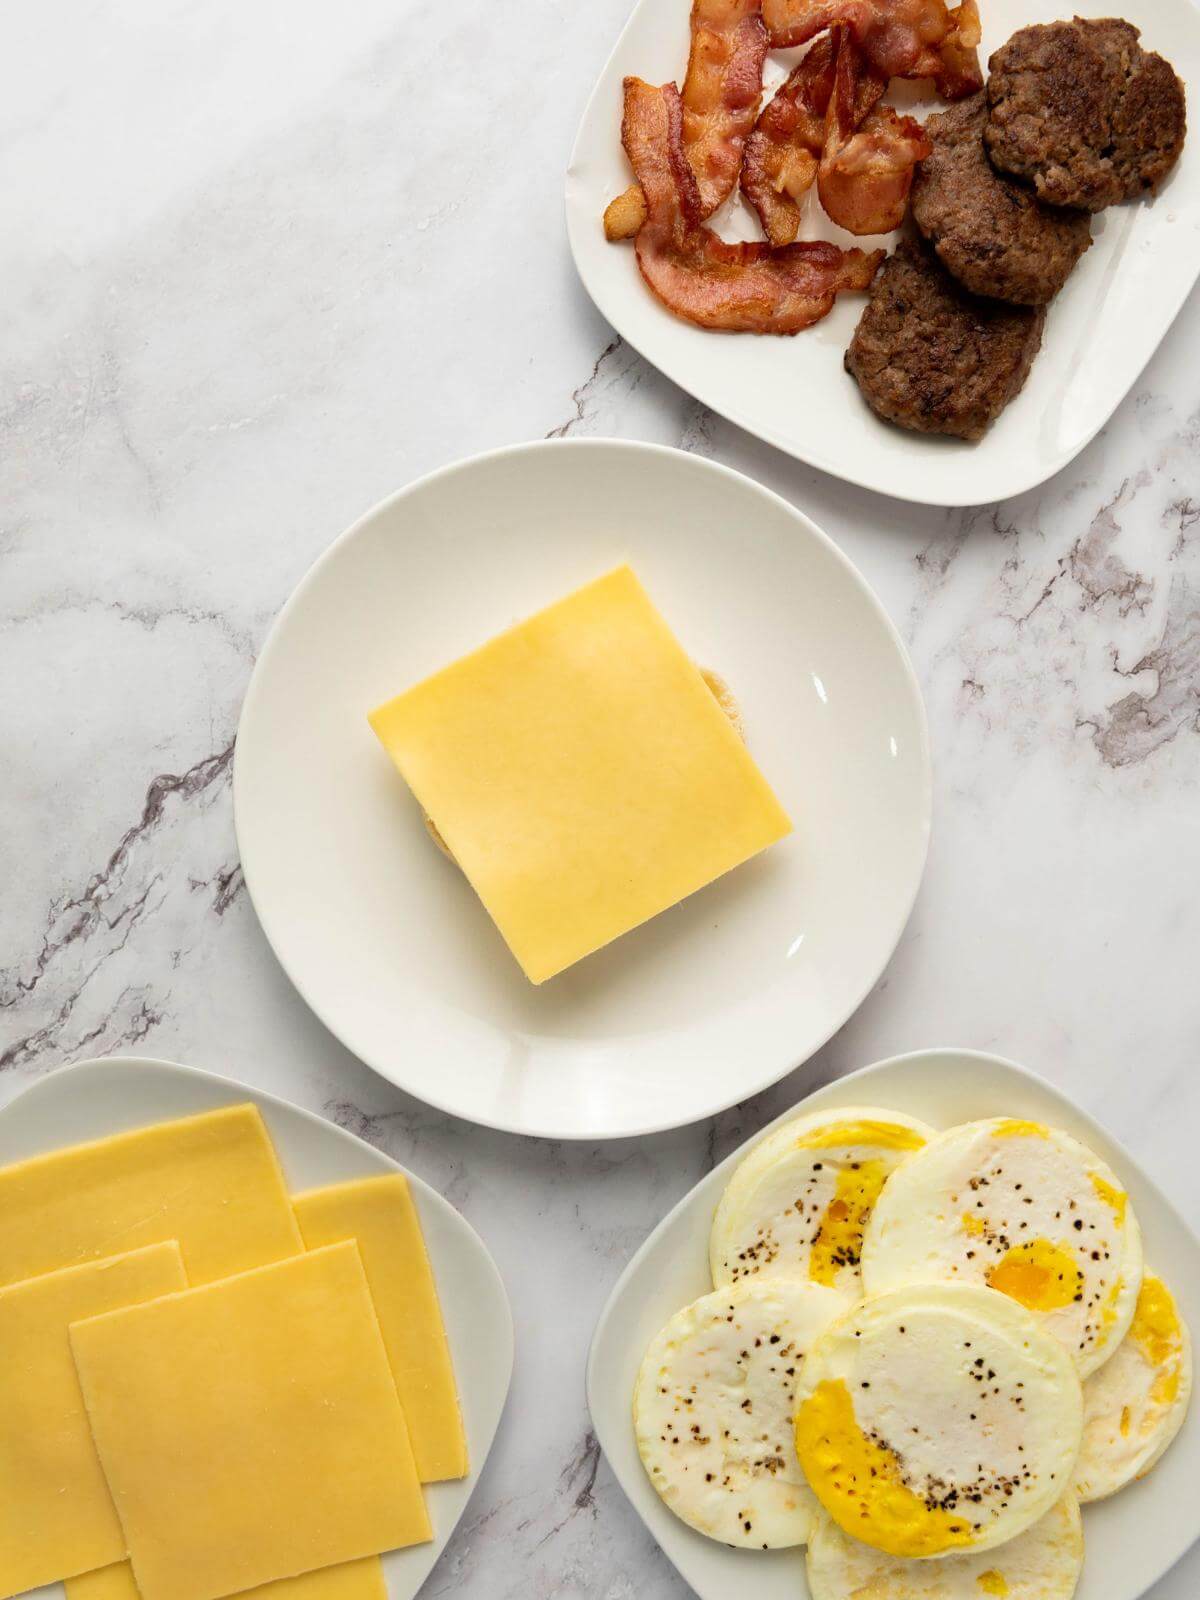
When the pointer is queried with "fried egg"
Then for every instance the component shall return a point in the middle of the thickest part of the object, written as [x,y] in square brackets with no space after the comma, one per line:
[1134,1406]
[712,1410]
[799,1201]
[1043,1563]
[1021,1208]
[937,1418]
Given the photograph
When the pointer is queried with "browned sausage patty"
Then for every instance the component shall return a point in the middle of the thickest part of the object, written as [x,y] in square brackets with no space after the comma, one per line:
[989,230]
[929,356]
[1083,113]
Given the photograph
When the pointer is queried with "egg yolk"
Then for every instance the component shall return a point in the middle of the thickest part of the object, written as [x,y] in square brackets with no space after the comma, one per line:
[860,1484]
[1157,1334]
[874,1135]
[1116,1199]
[838,1240]
[1040,1275]
[992,1582]
[1014,1128]
[1108,1311]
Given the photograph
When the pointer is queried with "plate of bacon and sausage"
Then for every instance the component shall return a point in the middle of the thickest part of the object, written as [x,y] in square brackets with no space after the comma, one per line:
[744,175]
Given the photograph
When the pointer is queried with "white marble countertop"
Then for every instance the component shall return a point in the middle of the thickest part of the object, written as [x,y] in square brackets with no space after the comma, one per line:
[264,264]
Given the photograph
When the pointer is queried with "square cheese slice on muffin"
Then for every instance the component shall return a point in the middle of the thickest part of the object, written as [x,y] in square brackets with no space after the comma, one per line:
[581,772]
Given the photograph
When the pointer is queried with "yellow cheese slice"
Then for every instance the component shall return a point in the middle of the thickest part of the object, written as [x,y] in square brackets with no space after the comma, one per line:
[581,773]
[250,1430]
[114,1582]
[353,1580]
[379,1213]
[212,1182]
[56,1514]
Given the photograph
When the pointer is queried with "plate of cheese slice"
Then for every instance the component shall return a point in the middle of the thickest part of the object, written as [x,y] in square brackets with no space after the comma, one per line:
[925,1338]
[244,1351]
[583,789]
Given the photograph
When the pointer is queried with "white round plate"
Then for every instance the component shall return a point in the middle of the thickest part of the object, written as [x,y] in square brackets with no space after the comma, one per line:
[702,1006]
[794,393]
[1131,1540]
[95,1098]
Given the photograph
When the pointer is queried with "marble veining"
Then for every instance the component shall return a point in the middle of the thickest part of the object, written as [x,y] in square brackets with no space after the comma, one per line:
[264,265]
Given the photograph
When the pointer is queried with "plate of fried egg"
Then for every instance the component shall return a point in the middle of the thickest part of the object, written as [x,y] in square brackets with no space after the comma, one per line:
[927,1336]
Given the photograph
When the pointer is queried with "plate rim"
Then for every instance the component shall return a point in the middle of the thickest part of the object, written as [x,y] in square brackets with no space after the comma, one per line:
[427,1196]
[590,445]
[1020,484]
[849,1081]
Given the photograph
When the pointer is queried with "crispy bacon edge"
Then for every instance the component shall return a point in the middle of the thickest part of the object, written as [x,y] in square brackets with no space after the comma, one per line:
[721,94]
[956,71]
[748,288]
[867,165]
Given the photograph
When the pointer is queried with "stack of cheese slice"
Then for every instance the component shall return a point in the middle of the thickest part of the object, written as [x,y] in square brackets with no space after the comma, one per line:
[211,1386]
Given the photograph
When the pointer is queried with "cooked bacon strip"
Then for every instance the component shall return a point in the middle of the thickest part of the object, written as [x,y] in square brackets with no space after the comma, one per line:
[864,183]
[720,102]
[866,168]
[826,124]
[721,92]
[900,38]
[780,161]
[893,34]
[748,288]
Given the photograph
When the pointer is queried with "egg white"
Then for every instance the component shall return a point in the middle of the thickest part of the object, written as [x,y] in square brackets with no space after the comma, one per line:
[712,1410]
[1024,1208]
[1043,1563]
[937,1419]
[776,1207]
[1135,1405]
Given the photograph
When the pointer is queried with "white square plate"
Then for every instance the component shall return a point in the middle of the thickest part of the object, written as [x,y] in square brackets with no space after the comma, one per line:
[96,1098]
[1130,1540]
[794,393]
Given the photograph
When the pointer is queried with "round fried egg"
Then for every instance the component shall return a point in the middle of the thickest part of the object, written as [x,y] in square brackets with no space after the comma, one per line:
[712,1410]
[1021,1208]
[1134,1406]
[1043,1563]
[937,1418]
[799,1201]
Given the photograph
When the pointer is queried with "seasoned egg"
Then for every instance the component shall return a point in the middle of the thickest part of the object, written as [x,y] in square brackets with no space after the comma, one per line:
[1024,1209]
[712,1410]
[799,1201]
[1042,1563]
[1134,1406]
[937,1418]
